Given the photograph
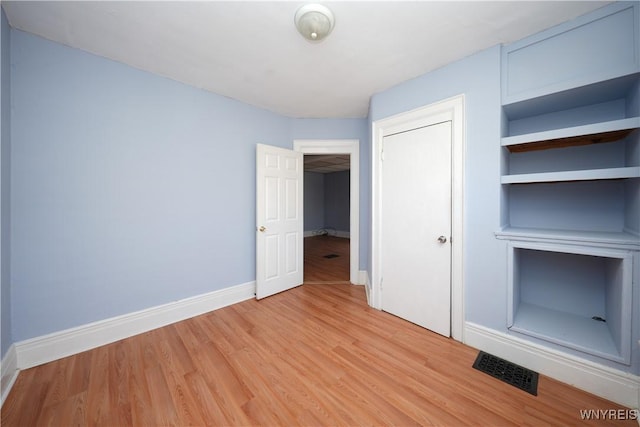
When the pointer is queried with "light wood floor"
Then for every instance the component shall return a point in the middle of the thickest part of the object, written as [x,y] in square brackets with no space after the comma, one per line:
[313,356]
[319,269]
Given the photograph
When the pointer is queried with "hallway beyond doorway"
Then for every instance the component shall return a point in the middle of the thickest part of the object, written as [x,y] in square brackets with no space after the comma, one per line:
[320,265]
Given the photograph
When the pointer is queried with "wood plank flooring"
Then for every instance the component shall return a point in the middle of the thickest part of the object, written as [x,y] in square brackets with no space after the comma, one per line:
[316,355]
[317,268]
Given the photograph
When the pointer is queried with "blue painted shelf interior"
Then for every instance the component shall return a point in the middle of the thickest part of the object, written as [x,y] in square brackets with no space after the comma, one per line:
[580,301]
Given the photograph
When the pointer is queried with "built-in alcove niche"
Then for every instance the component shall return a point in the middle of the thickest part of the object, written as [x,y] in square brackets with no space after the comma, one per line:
[578,297]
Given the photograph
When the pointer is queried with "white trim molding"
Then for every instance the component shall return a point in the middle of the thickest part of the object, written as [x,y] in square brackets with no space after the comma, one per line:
[9,369]
[363,278]
[451,109]
[351,147]
[46,348]
[367,286]
[617,386]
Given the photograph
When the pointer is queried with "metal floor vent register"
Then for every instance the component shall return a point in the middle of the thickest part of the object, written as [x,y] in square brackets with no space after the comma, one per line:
[510,373]
[331,256]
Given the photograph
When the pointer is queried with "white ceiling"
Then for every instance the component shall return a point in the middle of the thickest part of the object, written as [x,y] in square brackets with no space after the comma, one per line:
[251,51]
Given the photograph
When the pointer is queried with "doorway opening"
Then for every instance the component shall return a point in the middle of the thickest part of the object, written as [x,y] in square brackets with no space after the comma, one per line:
[326,218]
[338,149]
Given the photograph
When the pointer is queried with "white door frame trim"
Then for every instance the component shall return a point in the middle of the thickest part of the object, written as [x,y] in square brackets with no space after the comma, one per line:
[351,147]
[449,109]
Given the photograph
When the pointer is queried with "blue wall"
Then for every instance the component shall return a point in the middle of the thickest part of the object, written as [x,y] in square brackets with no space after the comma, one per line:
[129,190]
[5,174]
[326,201]
[336,200]
[313,201]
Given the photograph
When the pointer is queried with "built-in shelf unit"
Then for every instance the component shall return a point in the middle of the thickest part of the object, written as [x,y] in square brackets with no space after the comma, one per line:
[571,181]
[578,297]
[582,178]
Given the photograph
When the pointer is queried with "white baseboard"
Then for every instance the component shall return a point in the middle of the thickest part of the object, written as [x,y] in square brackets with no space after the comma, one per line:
[367,285]
[46,348]
[9,370]
[362,278]
[617,386]
[334,233]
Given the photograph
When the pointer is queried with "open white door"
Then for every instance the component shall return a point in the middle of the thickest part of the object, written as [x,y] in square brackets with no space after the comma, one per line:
[279,220]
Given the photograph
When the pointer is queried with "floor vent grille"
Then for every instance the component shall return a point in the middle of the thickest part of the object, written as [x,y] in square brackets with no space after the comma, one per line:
[510,373]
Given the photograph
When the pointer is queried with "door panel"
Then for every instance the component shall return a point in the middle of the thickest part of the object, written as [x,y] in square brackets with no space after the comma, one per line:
[416,211]
[279,220]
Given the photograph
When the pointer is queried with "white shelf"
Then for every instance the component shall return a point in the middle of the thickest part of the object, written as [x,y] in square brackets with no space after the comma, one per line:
[617,240]
[578,175]
[566,329]
[559,134]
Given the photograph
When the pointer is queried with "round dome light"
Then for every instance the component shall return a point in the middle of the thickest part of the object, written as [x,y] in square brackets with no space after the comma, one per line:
[314,22]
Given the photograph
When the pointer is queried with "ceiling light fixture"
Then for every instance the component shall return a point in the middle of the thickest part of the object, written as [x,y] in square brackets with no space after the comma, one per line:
[314,21]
